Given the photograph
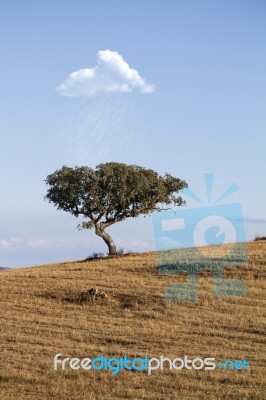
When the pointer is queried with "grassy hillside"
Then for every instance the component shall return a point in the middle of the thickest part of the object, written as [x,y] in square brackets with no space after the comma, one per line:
[40,317]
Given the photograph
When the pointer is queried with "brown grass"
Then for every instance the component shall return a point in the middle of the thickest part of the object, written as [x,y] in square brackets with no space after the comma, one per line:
[38,321]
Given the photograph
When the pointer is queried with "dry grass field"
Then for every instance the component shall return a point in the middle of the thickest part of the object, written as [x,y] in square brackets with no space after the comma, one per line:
[39,320]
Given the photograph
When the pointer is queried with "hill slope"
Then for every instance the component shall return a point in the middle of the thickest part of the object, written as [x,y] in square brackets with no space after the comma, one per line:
[40,317]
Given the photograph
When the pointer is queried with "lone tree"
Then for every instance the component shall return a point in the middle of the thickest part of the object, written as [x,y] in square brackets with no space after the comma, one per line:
[111,193]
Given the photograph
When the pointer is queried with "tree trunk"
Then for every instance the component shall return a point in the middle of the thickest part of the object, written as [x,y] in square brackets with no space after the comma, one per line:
[99,230]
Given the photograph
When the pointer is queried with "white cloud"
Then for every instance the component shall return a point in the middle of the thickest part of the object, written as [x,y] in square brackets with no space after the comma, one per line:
[135,245]
[17,242]
[111,74]
[165,242]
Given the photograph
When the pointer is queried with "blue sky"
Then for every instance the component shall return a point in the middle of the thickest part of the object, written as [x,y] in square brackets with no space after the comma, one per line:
[207,113]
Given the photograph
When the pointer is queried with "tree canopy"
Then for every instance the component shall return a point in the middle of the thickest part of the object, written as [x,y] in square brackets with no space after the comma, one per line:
[111,193]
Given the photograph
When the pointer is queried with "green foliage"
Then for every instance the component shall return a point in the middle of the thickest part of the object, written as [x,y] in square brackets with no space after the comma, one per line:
[113,192]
